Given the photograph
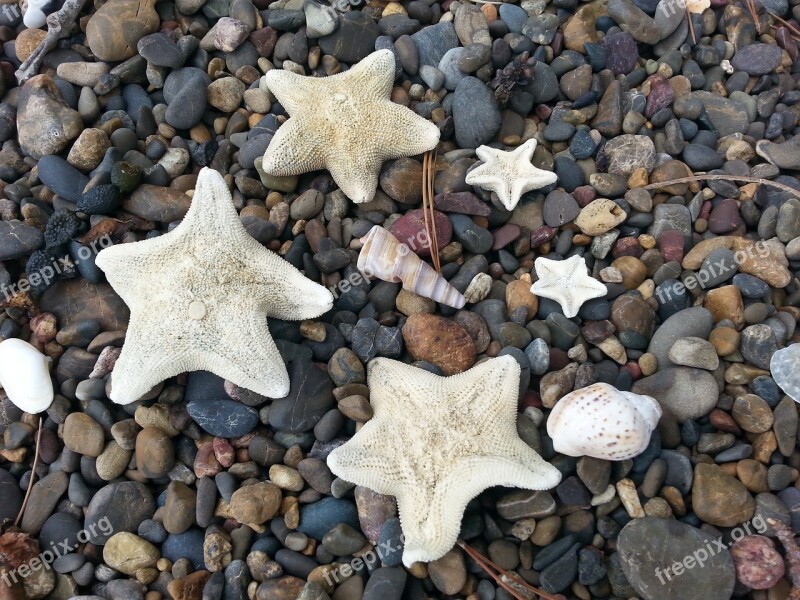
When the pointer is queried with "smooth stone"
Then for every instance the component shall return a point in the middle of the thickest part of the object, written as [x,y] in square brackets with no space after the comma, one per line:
[686,392]
[650,545]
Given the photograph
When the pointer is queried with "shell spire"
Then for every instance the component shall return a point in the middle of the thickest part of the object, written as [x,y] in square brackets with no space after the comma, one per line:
[387,258]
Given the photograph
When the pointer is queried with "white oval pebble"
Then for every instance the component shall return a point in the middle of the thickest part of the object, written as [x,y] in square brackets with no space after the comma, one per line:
[25,376]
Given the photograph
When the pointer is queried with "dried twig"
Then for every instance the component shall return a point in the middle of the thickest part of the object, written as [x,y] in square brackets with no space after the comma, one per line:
[58,25]
[428,213]
[751,6]
[786,536]
[720,177]
[510,582]
[33,475]
[691,25]
[793,30]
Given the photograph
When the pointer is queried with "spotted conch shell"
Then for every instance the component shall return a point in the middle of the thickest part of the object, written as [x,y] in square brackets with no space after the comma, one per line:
[603,422]
[387,258]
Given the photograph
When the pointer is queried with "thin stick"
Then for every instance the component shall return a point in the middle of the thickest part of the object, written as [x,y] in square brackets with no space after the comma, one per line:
[693,178]
[33,475]
[510,582]
[58,25]
[431,177]
[754,14]
[427,210]
[691,25]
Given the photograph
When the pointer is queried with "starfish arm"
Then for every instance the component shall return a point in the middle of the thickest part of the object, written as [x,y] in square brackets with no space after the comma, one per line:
[293,150]
[262,369]
[411,135]
[362,461]
[377,71]
[393,384]
[144,363]
[431,523]
[357,181]
[291,90]
[291,295]
[525,151]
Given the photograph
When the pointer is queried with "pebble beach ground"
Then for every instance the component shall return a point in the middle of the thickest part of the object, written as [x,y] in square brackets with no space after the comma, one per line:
[702,279]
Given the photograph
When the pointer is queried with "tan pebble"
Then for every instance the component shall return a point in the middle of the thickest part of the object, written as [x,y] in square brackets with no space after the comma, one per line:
[600,216]
[410,303]
[612,347]
[626,490]
[726,303]
[725,340]
[27,41]
[638,178]
[518,294]
[199,133]
[313,330]
[633,271]
[286,478]
[675,500]
[127,553]
[658,507]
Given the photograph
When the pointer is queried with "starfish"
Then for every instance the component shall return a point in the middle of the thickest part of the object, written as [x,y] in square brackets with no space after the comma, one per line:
[199,297]
[345,123]
[509,174]
[567,282]
[437,442]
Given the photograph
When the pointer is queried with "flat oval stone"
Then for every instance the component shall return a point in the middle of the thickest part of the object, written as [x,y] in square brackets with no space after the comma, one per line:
[757,59]
[649,547]
[223,418]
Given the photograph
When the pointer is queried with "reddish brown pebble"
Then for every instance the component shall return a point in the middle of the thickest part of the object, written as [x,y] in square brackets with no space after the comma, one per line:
[758,564]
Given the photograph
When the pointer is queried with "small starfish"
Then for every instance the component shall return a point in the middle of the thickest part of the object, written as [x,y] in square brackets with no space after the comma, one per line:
[437,442]
[509,174]
[200,296]
[345,123]
[567,282]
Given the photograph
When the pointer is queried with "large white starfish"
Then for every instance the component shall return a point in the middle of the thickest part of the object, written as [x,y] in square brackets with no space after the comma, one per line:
[199,299]
[567,282]
[437,442]
[509,174]
[345,123]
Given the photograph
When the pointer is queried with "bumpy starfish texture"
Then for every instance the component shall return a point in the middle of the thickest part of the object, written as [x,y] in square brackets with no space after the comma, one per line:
[567,282]
[345,123]
[200,296]
[509,174]
[437,442]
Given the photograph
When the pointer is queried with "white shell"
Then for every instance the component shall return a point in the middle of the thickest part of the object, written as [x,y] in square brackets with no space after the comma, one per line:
[25,376]
[387,258]
[785,368]
[603,422]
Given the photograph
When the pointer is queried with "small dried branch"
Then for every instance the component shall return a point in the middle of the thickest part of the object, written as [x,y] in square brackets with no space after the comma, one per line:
[751,6]
[691,26]
[58,25]
[33,475]
[720,177]
[786,536]
[510,582]
[428,213]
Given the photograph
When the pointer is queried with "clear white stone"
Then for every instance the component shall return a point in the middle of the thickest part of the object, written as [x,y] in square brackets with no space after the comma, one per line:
[25,376]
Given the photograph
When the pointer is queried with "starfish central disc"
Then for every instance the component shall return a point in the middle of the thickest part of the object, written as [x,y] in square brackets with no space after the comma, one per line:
[197,310]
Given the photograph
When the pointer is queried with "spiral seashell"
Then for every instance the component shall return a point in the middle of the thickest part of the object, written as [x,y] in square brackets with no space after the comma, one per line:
[603,422]
[387,258]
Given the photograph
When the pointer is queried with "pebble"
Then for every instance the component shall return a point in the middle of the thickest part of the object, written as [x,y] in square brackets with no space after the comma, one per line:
[759,566]
[476,113]
[45,123]
[720,499]
[671,541]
